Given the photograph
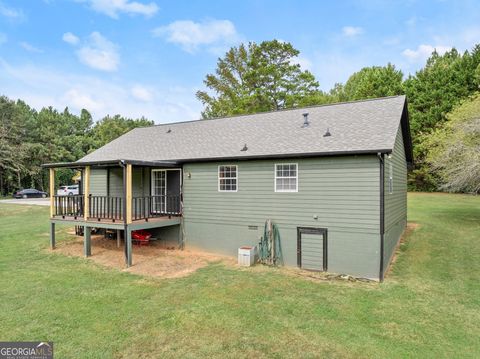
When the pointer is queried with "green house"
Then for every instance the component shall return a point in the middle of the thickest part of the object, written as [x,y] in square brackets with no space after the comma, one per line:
[332,178]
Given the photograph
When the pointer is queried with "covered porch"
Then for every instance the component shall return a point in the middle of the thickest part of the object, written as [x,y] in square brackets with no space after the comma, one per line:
[120,195]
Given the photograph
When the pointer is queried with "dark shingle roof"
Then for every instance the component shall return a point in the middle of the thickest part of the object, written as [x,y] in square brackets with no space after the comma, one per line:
[355,127]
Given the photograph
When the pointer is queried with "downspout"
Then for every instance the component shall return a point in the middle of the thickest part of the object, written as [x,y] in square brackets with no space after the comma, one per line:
[124,205]
[382,214]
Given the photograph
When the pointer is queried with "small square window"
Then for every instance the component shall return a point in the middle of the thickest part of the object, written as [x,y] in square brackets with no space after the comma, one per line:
[286,179]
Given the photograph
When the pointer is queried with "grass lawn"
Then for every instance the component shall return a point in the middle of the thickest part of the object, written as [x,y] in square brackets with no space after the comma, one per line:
[428,307]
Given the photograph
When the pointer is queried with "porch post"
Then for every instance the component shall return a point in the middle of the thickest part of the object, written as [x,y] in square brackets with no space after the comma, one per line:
[52,192]
[52,235]
[129,194]
[87,246]
[86,190]
[118,238]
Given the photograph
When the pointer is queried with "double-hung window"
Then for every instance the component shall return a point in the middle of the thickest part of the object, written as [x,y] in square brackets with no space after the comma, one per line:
[227,178]
[286,177]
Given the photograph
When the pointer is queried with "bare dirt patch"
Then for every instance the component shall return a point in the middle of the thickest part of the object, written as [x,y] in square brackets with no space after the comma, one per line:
[152,260]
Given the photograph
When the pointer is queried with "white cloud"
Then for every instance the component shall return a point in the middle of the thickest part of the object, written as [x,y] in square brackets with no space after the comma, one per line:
[10,12]
[142,93]
[70,38]
[40,86]
[30,48]
[77,99]
[422,52]
[99,53]
[351,31]
[190,35]
[3,38]
[112,8]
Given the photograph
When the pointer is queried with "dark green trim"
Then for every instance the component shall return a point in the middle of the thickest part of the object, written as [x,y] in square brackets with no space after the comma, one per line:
[92,224]
[128,246]
[280,156]
[111,163]
[178,162]
[382,216]
[87,241]
[52,235]
[312,230]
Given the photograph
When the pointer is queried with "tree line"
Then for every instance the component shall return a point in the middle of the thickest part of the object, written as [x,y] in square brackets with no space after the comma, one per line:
[263,77]
[443,104]
[30,138]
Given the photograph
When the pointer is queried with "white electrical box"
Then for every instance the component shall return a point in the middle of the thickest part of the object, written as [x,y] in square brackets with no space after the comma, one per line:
[246,256]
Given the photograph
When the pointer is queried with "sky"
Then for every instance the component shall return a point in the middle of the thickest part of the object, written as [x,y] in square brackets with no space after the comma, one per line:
[149,57]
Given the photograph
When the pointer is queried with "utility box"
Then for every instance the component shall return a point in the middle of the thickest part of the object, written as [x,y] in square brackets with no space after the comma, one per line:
[246,256]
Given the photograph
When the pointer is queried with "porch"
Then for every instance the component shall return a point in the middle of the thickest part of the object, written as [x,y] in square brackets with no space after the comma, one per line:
[120,195]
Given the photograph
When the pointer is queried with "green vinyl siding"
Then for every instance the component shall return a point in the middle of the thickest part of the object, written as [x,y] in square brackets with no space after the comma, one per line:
[98,182]
[395,202]
[338,193]
[140,182]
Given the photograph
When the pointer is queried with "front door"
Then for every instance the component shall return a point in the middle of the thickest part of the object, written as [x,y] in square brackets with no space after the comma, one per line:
[312,248]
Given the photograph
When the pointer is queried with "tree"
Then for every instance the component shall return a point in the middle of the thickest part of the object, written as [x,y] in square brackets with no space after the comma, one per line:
[455,148]
[433,92]
[12,150]
[257,77]
[109,128]
[372,82]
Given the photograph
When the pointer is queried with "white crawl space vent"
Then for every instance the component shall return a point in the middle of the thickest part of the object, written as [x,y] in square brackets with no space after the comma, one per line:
[246,256]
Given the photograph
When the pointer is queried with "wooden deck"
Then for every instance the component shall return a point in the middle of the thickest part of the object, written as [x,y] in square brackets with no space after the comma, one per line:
[154,222]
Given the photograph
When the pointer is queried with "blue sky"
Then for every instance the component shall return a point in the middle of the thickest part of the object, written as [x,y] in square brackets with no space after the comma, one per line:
[149,57]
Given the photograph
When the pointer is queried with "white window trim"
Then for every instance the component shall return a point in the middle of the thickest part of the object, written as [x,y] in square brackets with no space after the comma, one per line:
[218,178]
[275,179]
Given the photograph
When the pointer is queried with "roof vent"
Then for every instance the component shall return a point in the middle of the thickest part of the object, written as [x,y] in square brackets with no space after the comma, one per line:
[245,148]
[327,134]
[169,130]
[305,120]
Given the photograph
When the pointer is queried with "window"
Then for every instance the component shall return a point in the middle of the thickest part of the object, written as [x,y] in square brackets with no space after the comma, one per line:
[286,176]
[390,178]
[227,178]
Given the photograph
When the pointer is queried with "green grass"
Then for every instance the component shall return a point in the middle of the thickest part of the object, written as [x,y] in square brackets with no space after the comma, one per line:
[429,306]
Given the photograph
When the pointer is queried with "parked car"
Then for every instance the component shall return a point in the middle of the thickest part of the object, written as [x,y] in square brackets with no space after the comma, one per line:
[30,193]
[67,190]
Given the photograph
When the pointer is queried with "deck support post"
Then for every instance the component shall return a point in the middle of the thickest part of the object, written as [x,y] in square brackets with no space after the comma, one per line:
[127,212]
[52,192]
[52,235]
[118,238]
[128,247]
[87,245]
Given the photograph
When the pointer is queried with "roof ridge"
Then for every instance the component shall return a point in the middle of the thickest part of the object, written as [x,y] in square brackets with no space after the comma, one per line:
[272,111]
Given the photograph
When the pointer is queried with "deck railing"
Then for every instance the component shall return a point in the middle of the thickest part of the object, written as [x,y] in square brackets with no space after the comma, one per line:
[112,208]
[156,206]
[68,206]
[106,207]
